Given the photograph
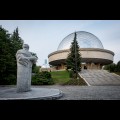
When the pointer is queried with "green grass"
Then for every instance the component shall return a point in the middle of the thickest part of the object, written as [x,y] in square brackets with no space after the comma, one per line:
[62,78]
[73,81]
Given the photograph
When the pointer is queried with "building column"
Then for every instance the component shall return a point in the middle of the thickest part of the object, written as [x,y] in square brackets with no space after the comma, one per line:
[62,66]
[98,65]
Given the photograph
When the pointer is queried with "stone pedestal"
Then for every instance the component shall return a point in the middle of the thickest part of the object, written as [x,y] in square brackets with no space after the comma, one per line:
[23,79]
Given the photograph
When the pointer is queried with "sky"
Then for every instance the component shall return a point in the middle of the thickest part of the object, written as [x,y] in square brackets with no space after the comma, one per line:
[44,36]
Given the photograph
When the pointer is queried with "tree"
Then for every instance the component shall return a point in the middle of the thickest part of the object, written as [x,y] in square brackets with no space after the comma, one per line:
[16,41]
[118,66]
[35,68]
[9,44]
[5,56]
[73,60]
[16,44]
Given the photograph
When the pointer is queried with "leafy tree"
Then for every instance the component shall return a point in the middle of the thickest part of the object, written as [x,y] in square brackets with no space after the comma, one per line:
[16,41]
[73,60]
[35,68]
[5,56]
[118,66]
[16,44]
[111,67]
[9,44]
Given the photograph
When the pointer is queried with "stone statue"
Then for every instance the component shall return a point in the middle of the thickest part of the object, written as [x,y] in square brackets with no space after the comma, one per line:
[25,60]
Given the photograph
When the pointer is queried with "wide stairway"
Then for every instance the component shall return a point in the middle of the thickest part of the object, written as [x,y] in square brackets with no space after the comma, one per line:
[99,77]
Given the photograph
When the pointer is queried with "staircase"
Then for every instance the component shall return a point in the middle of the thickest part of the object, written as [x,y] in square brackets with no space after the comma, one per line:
[99,77]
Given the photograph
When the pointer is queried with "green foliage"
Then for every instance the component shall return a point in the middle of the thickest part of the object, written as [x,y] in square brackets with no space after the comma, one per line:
[73,60]
[74,81]
[35,69]
[16,41]
[42,78]
[71,74]
[9,44]
[118,66]
[63,78]
[60,77]
[111,67]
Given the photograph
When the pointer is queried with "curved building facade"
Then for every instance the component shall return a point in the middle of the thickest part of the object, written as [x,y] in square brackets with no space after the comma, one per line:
[93,54]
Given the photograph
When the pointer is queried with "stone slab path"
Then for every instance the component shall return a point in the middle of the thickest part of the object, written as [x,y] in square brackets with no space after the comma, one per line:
[71,92]
[99,77]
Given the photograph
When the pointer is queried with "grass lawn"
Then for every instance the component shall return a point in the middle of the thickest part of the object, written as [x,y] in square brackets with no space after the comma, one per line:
[62,78]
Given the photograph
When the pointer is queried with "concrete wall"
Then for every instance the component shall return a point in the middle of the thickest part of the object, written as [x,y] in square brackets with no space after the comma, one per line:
[85,53]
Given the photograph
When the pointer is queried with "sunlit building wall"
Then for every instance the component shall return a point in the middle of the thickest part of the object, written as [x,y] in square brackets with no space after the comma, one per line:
[93,54]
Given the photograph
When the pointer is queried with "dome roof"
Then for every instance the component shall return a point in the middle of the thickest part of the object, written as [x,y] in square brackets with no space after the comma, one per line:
[85,40]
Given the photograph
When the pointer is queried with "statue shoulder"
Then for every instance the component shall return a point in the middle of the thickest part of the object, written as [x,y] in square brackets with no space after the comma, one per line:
[21,51]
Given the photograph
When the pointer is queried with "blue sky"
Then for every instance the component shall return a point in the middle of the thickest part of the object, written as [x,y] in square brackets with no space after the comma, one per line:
[44,36]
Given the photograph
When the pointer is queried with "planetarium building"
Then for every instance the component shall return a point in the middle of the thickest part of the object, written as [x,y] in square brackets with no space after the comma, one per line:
[93,54]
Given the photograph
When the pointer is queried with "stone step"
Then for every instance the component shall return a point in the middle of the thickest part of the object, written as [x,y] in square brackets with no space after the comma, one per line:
[100,77]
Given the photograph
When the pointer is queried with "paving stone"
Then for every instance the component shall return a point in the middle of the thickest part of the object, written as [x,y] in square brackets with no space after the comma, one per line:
[100,77]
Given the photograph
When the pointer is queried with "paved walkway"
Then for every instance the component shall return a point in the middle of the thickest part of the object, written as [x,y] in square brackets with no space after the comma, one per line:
[99,77]
[83,92]
[102,86]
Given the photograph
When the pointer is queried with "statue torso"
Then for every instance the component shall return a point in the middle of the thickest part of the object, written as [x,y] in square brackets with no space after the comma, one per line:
[24,52]
[21,58]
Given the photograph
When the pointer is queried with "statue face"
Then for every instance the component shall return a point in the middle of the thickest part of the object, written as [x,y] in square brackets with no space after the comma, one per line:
[25,47]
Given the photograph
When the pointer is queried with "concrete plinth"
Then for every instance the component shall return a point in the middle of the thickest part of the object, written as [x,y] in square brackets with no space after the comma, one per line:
[34,94]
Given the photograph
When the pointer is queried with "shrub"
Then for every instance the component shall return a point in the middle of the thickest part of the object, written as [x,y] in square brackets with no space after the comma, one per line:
[111,67]
[118,66]
[71,74]
[8,80]
[42,78]
[74,81]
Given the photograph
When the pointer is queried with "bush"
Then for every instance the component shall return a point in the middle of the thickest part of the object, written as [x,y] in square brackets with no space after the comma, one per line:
[111,67]
[42,78]
[35,69]
[8,80]
[73,81]
[118,66]
[46,74]
[71,74]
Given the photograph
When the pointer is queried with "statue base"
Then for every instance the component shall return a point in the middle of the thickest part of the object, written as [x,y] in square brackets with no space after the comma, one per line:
[33,94]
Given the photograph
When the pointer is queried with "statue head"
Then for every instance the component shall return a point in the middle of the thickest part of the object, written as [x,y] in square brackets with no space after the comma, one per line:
[26,46]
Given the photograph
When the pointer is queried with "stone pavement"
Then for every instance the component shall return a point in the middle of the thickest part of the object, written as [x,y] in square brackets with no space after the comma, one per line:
[88,92]
[36,93]
[102,86]
[82,92]
[99,77]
